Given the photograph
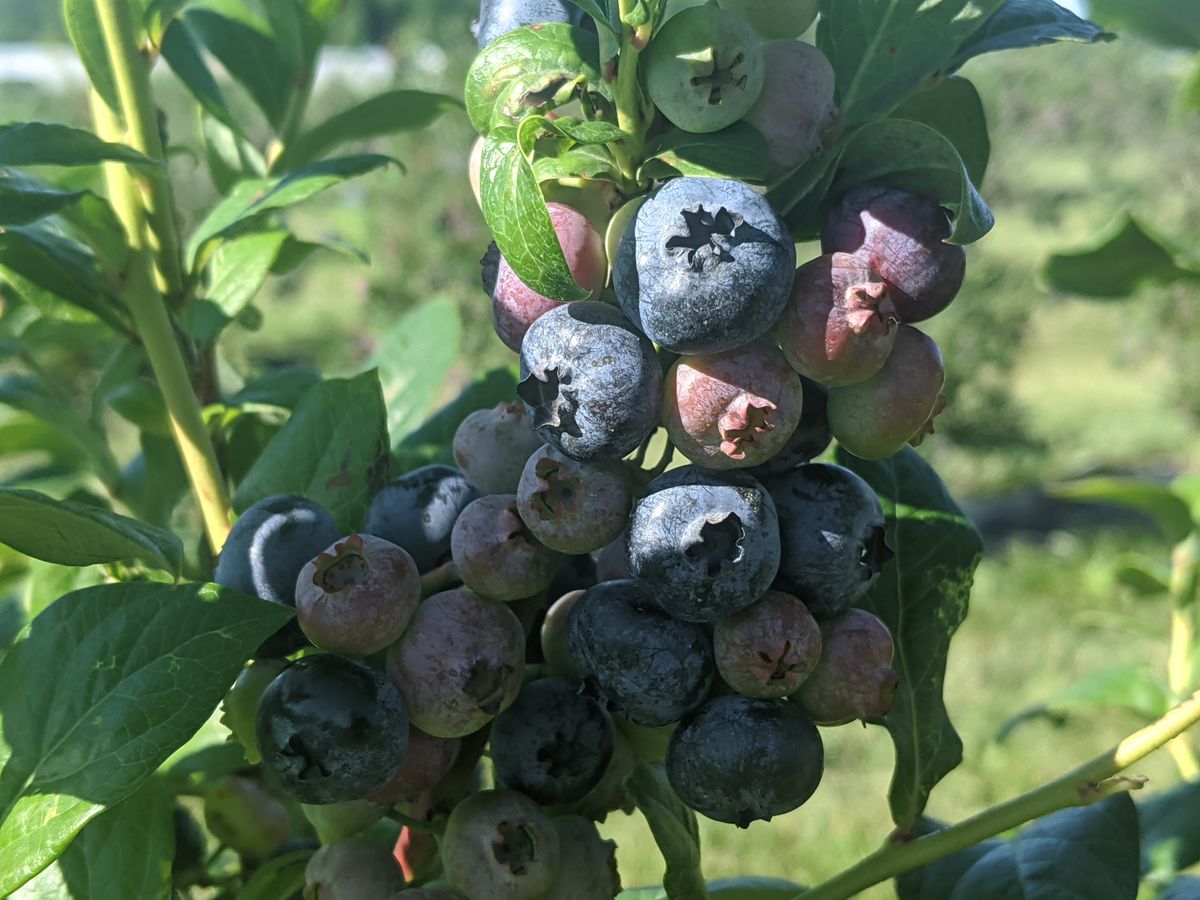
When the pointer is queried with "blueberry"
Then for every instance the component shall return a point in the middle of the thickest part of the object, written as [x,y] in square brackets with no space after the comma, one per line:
[499,17]
[738,760]
[353,870]
[578,571]
[705,544]
[498,844]
[553,744]
[331,729]
[769,648]
[875,418]
[810,439]
[902,236]
[705,266]
[831,531]
[796,102]
[495,553]
[854,679]
[459,664]
[240,704]
[244,817]
[269,545]
[554,636]
[649,667]
[590,382]
[612,561]
[358,596]
[609,793]
[839,324]
[417,511]
[572,506]
[491,446]
[516,306]
[191,848]
[427,762]
[731,409]
[704,69]
[587,868]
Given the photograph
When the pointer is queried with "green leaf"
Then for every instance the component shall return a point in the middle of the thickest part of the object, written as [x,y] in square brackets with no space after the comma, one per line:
[520,224]
[800,195]
[431,442]
[674,828]
[24,199]
[75,534]
[1123,258]
[124,852]
[138,667]
[44,144]
[239,267]
[282,876]
[1028,23]
[1189,92]
[1170,830]
[94,223]
[1089,851]
[738,152]
[160,14]
[914,157]
[55,274]
[883,50]
[1173,23]
[83,28]
[1169,511]
[251,199]
[953,109]
[206,765]
[140,402]
[230,158]
[531,68]
[414,359]
[295,252]
[922,597]
[386,113]
[1121,687]
[333,450]
[280,387]
[250,57]
[1187,487]
[582,161]
[182,53]
[1142,576]
[744,888]
[595,9]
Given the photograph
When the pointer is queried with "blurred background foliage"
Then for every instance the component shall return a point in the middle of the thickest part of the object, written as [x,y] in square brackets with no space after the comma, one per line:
[1043,386]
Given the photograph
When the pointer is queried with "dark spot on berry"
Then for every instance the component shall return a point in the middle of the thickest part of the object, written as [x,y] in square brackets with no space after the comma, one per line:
[714,236]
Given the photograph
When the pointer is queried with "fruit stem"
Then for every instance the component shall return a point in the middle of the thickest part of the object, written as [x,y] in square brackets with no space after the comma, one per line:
[142,291]
[1185,568]
[627,95]
[439,579]
[1083,785]
[131,74]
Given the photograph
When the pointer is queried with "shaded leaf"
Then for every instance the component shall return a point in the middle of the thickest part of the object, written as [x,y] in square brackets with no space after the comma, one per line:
[239,267]
[953,109]
[279,387]
[1185,888]
[1173,23]
[24,199]
[386,113]
[1170,830]
[282,876]
[138,667]
[1028,23]
[432,441]
[922,597]
[250,57]
[1168,510]
[1142,576]
[937,880]
[737,152]
[83,28]
[414,359]
[230,158]
[75,534]
[182,53]
[1123,258]
[55,274]
[333,450]
[674,828]
[44,144]
[583,161]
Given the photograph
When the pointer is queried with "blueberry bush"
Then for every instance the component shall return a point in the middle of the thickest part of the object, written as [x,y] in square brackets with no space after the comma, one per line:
[627,572]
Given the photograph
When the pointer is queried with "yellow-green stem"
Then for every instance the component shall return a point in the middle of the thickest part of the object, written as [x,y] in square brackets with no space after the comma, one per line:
[1085,784]
[1180,669]
[627,96]
[153,325]
[131,74]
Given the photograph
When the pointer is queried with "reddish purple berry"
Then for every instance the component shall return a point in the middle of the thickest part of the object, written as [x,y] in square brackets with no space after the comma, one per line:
[426,763]
[839,325]
[732,409]
[459,664]
[358,596]
[491,446]
[495,552]
[796,102]
[901,236]
[854,678]
[877,417]
[515,306]
[768,649]
[352,870]
[572,506]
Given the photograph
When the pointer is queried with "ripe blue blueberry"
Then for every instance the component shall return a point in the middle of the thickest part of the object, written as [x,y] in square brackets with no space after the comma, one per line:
[417,511]
[650,667]
[738,760]
[705,544]
[553,743]
[590,382]
[831,530]
[331,729]
[499,17]
[705,266]
[269,545]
